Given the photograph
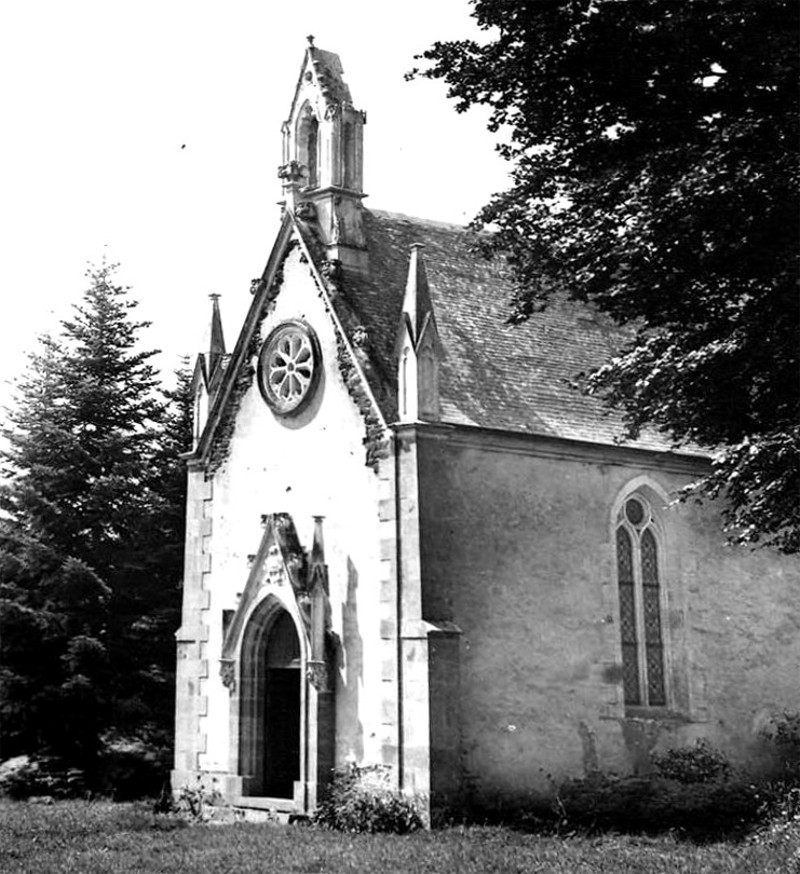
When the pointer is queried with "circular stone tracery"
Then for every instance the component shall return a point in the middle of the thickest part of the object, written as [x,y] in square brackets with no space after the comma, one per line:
[635,511]
[288,367]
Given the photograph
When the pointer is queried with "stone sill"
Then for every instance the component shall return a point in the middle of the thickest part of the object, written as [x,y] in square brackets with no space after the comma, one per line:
[652,714]
[261,802]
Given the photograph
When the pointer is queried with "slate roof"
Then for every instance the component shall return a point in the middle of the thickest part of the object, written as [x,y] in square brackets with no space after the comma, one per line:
[494,375]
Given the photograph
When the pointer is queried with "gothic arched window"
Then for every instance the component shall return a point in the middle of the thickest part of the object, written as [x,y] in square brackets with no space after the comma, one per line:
[308,146]
[312,146]
[348,151]
[638,579]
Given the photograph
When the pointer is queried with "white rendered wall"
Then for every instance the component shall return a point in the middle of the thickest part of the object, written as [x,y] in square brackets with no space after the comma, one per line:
[307,465]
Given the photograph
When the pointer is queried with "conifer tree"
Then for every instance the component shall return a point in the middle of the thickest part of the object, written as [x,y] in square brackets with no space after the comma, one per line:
[89,542]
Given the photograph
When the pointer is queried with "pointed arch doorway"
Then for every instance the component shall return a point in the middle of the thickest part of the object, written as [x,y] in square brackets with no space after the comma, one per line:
[271,706]
[278,662]
[282,709]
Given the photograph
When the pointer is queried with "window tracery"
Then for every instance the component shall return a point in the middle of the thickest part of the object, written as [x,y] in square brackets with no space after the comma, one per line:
[639,586]
[289,367]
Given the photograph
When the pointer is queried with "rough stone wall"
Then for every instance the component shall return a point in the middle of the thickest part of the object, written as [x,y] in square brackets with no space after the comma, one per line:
[518,552]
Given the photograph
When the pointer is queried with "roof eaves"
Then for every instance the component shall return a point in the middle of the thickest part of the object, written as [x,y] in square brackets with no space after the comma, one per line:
[688,460]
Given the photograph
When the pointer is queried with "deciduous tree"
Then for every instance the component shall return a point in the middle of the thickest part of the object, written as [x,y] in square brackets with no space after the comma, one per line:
[654,148]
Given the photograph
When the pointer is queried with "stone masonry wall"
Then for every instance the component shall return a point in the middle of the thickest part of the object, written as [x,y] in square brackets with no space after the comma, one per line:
[518,552]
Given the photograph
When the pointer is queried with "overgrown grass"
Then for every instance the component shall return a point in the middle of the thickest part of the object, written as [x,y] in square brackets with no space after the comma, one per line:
[89,838]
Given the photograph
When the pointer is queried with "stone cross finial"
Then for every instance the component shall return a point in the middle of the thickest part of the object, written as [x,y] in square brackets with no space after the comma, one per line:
[310,39]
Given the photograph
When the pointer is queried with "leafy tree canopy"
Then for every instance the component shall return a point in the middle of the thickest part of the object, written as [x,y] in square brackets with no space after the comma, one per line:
[655,174]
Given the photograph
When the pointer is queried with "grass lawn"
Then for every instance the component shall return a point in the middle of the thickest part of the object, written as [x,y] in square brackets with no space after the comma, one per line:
[89,837]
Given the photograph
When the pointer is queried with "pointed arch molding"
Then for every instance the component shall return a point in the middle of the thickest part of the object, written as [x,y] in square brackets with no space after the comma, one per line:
[684,680]
[642,483]
[282,568]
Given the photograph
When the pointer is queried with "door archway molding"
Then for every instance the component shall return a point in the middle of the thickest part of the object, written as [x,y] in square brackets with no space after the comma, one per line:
[283,578]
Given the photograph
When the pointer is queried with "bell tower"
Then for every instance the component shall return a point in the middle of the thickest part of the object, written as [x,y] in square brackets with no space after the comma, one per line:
[322,170]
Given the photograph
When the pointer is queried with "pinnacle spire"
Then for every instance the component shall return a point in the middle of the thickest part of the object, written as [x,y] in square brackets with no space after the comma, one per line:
[318,547]
[216,346]
[418,347]
[417,305]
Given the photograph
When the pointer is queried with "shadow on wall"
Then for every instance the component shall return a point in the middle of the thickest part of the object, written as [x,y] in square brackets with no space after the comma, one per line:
[349,729]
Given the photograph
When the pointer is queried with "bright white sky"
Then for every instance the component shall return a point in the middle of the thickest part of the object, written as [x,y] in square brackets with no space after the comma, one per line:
[99,96]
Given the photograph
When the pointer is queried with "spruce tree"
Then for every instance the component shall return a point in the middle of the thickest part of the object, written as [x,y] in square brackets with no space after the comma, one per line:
[89,542]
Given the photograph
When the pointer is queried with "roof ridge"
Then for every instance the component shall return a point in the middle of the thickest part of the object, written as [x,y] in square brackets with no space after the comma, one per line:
[417,219]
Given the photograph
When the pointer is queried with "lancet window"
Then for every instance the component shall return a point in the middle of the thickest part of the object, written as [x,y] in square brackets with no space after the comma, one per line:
[348,150]
[640,604]
[308,147]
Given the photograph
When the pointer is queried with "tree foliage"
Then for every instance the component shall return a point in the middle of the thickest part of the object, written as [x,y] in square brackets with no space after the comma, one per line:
[90,537]
[655,174]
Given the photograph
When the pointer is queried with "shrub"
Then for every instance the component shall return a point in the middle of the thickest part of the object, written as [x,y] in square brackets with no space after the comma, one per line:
[131,768]
[28,776]
[653,804]
[15,775]
[701,763]
[783,733]
[196,803]
[781,828]
[125,768]
[359,799]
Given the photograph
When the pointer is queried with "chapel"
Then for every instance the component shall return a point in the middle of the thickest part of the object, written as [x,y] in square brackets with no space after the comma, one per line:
[413,543]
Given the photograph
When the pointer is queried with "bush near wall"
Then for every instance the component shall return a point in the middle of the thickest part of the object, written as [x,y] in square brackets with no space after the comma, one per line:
[654,804]
[692,790]
[702,763]
[361,799]
[782,736]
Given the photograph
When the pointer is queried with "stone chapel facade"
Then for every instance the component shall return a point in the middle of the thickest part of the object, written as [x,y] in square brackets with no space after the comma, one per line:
[411,542]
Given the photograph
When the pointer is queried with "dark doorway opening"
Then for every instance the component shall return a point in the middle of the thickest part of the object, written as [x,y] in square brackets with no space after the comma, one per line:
[282,709]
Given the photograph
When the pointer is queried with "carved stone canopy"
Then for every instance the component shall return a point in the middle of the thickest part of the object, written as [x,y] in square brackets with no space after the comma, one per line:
[281,562]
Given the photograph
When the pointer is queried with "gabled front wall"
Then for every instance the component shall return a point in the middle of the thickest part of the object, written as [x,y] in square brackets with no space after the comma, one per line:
[311,464]
[518,551]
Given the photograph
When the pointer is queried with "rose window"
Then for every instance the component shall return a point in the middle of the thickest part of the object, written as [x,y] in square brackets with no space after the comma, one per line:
[289,367]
